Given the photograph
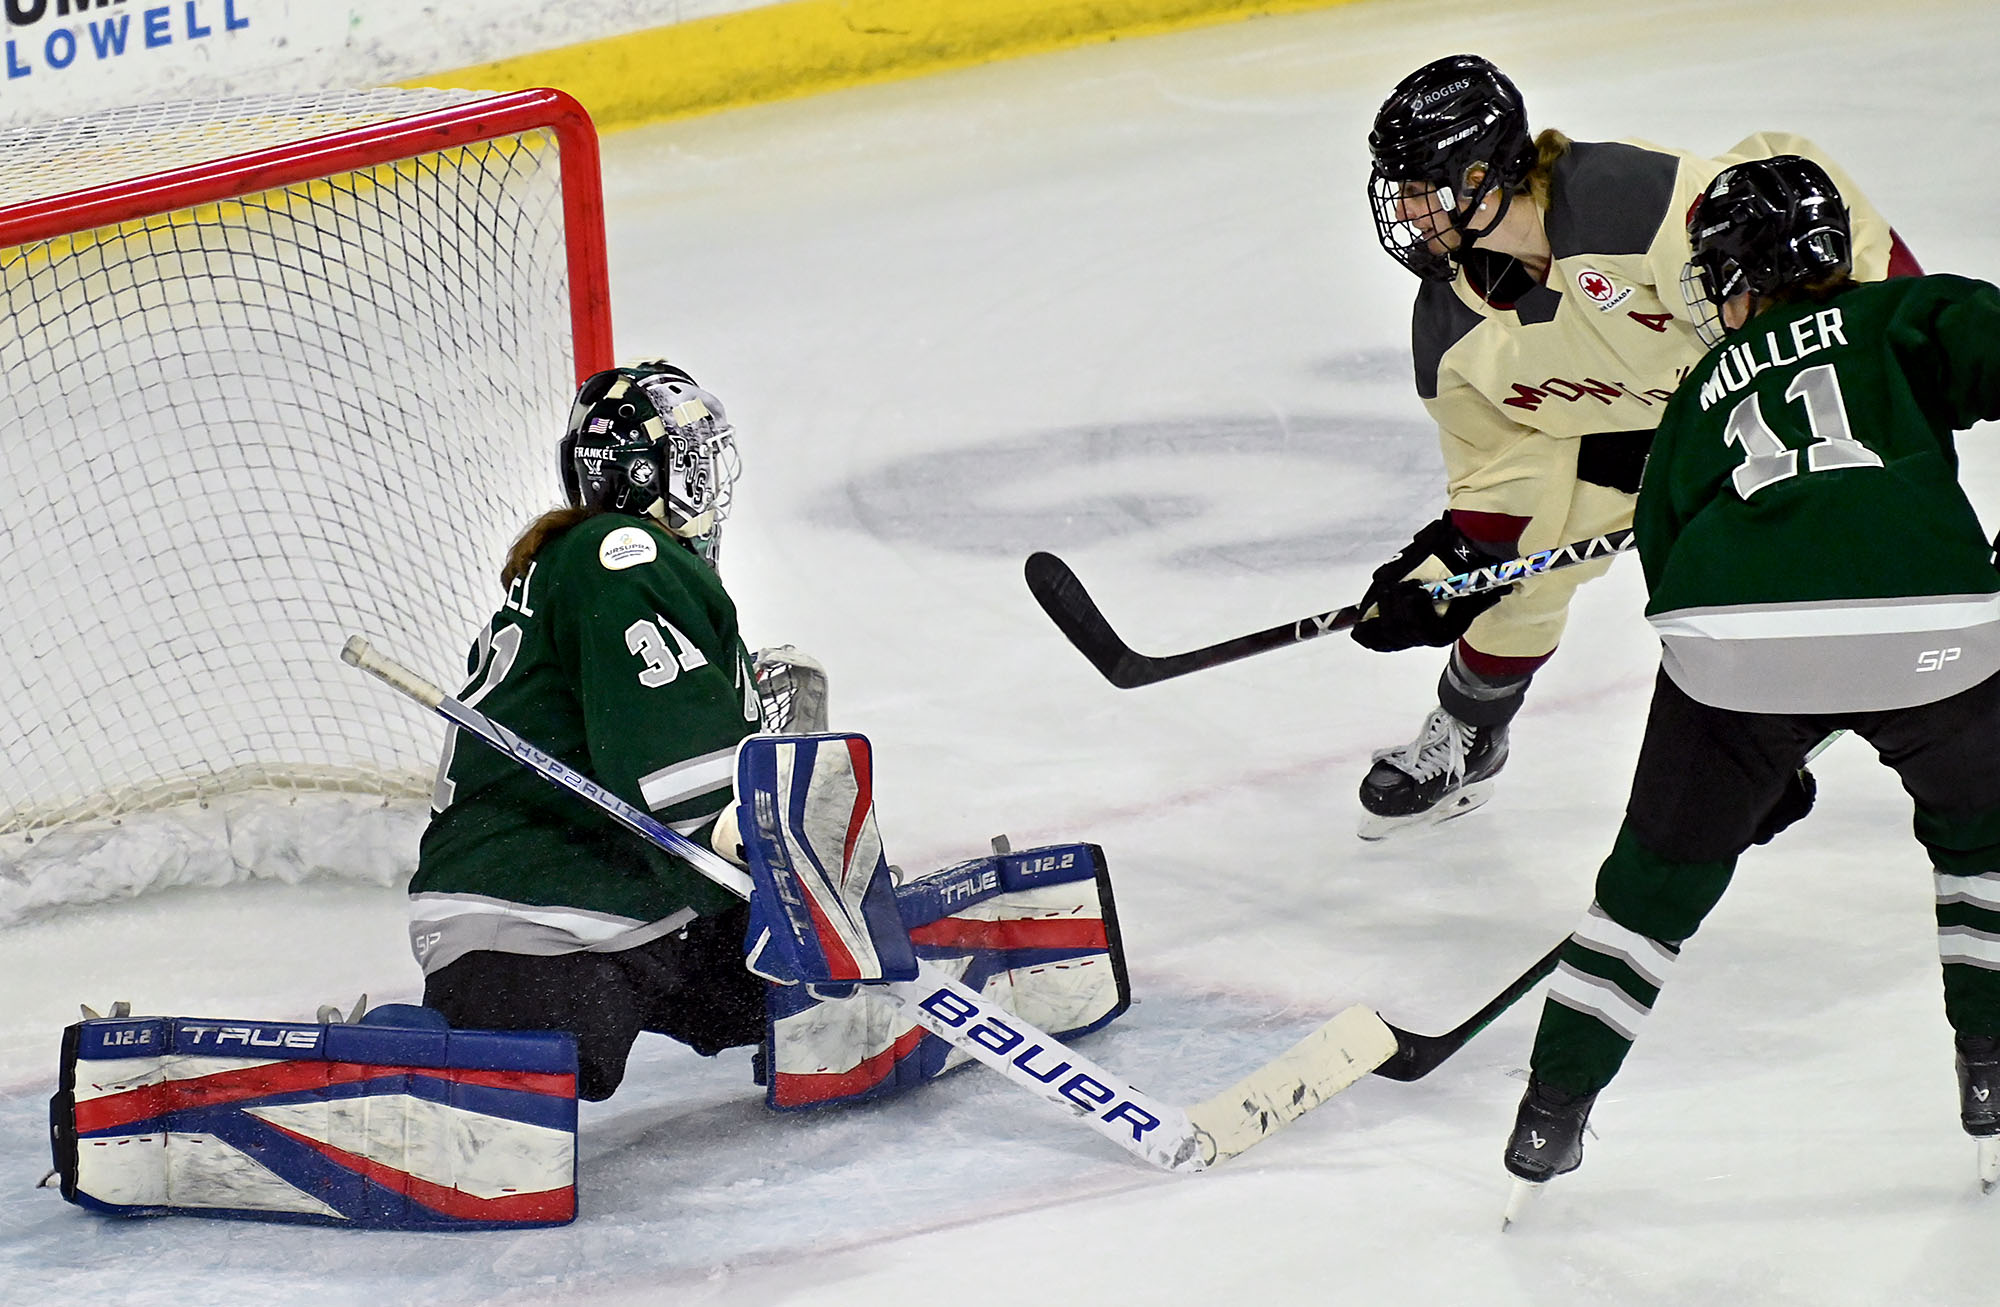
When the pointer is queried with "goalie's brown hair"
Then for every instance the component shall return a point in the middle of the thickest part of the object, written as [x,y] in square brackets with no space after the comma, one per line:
[538,533]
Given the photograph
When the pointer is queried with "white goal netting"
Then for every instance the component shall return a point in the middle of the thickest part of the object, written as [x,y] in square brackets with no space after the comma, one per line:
[241,420]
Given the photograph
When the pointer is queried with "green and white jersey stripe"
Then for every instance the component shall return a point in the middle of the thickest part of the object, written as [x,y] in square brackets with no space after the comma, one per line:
[445,927]
[1832,656]
[707,782]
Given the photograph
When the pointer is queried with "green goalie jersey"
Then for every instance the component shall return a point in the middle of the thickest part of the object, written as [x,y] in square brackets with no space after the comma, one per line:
[1804,536]
[617,652]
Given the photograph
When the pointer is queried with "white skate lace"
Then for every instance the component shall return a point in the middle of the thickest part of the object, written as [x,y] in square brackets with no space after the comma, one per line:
[1439,748]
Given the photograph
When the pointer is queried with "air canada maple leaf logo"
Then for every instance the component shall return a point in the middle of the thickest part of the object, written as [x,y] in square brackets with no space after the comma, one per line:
[1595,284]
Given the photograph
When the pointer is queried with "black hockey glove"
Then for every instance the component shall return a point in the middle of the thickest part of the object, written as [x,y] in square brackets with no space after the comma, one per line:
[1795,802]
[1398,613]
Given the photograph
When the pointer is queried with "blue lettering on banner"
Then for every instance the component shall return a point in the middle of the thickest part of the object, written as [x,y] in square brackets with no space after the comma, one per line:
[108,38]
[111,36]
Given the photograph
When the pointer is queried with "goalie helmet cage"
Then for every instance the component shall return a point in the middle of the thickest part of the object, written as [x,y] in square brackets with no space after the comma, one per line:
[280,367]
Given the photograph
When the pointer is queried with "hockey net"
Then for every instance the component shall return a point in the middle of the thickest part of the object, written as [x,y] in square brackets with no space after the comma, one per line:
[280,369]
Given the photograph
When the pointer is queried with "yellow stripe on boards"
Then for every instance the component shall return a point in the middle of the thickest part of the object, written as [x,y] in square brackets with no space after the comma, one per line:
[801,47]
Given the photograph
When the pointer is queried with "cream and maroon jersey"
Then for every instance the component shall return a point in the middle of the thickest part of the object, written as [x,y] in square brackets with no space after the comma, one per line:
[1596,350]
[1546,398]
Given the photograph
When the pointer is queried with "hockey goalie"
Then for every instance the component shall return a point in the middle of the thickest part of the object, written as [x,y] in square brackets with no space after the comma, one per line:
[543,918]
[396,1120]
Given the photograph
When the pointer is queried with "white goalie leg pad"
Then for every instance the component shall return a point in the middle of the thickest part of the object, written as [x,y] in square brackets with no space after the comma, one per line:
[1035,932]
[387,1126]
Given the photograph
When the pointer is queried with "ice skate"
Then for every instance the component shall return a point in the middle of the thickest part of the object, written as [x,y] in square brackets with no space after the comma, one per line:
[1547,1142]
[1445,772]
[1978,1064]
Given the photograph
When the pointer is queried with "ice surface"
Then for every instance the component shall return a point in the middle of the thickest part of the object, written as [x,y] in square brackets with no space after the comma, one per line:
[1125,303]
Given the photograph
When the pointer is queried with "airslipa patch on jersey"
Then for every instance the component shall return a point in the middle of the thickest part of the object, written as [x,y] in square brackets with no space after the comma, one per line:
[628,546]
[356,1125]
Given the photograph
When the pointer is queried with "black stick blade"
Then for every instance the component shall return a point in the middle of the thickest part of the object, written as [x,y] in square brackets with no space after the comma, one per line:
[1416,1056]
[1071,608]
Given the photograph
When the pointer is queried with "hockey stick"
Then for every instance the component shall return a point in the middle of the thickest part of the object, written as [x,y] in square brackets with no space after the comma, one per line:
[1416,1056]
[1313,1070]
[1075,614]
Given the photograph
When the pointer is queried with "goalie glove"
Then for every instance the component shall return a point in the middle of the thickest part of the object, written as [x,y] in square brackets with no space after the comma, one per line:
[791,687]
[1398,613]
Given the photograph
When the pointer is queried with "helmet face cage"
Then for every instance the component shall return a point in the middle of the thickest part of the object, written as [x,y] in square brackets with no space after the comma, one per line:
[697,456]
[646,440]
[1707,283]
[1761,227]
[1451,134]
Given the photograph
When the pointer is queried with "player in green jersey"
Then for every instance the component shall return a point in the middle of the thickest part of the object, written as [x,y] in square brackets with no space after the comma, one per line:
[1814,567]
[616,650]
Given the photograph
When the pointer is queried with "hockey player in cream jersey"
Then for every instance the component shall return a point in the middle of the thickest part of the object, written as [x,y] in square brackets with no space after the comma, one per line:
[1548,334]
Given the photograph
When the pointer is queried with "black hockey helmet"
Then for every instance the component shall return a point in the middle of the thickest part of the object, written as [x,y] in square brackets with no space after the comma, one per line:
[1452,117]
[1763,226]
[648,441]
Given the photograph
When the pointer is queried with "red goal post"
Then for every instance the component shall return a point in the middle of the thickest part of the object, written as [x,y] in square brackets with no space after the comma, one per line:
[279,368]
[468,122]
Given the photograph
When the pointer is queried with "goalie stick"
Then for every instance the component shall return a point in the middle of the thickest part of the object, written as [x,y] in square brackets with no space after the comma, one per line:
[1075,614]
[1319,1066]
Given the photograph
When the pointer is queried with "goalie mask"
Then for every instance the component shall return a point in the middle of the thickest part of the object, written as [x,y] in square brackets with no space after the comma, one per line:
[1450,135]
[1763,226]
[646,440]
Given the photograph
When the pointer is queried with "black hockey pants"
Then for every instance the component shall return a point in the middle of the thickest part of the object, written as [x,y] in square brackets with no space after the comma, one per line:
[690,985]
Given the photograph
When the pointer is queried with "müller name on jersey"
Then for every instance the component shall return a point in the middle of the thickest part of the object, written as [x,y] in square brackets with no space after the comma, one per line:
[1739,365]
